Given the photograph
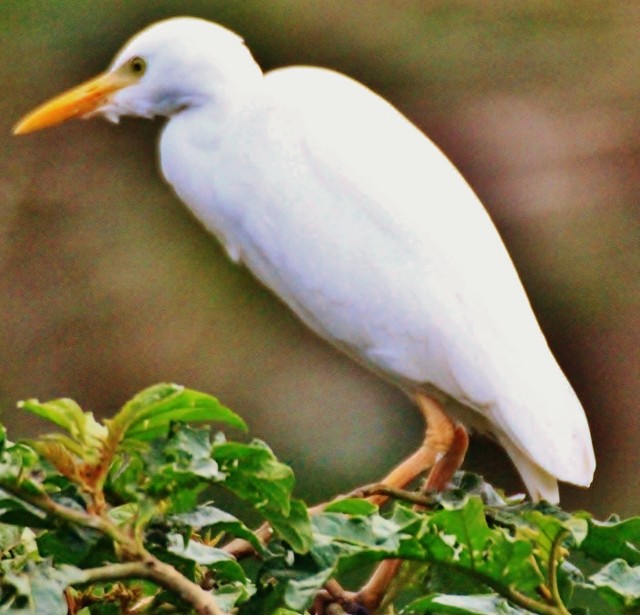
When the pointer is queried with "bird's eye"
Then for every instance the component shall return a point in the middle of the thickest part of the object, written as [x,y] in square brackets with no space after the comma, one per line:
[138,66]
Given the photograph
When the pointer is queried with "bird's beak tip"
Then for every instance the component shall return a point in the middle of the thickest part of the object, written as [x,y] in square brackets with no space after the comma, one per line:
[77,102]
[21,128]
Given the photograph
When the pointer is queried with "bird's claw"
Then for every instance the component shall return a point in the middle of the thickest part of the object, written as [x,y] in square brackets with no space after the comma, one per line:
[338,603]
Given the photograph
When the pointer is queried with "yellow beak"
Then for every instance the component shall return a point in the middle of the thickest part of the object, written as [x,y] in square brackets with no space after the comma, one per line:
[76,102]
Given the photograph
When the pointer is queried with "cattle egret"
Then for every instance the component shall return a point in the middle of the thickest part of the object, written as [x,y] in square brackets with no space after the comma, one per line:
[358,222]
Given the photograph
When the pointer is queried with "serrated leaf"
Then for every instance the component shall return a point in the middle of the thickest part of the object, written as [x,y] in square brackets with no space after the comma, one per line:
[461,537]
[612,539]
[177,469]
[174,469]
[343,542]
[619,584]
[371,532]
[295,528]
[254,474]
[286,580]
[149,414]
[483,604]
[542,530]
[340,543]
[189,450]
[465,484]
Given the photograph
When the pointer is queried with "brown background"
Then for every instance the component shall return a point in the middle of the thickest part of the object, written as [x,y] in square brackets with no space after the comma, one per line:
[108,285]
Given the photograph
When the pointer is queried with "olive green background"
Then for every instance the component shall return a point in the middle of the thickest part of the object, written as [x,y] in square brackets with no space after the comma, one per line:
[108,285]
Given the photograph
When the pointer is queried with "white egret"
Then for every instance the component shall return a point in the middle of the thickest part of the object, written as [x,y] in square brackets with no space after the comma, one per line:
[358,222]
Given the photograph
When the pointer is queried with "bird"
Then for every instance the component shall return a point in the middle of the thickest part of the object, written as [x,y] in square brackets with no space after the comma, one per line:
[358,222]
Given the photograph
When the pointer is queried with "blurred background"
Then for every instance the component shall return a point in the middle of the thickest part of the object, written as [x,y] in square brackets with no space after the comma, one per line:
[108,284]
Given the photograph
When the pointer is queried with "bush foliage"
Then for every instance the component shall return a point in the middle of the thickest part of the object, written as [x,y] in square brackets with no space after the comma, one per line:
[118,517]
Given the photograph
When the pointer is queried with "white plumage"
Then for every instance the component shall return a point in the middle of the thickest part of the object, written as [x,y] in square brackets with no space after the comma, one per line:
[359,223]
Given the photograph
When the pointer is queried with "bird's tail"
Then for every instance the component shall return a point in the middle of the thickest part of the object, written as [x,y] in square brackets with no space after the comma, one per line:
[539,483]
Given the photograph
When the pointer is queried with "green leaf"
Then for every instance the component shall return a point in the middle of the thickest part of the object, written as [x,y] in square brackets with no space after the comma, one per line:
[340,532]
[543,531]
[39,588]
[299,593]
[468,553]
[230,595]
[127,476]
[619,584]
[21,467]
[17,512]
[175,469]
[254,474]
[483,604]
[68,544]
[465,484]
[18,548]
[440,578]
[207,517]
[461,537]
[608,540]
[211,557]
[295,528]
[188,449]
[286,580]
[149,414]
[352,506]
[343,542]
[66,413]
[10,537]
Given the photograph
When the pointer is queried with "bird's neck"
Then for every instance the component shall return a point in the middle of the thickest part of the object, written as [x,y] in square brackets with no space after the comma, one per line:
[221,91]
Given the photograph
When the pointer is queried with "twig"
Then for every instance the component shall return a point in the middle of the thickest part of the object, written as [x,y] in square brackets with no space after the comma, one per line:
[144,565]
[412,497]
[553,571]
[164,575]
[72,515]
[531,604]
[240,548]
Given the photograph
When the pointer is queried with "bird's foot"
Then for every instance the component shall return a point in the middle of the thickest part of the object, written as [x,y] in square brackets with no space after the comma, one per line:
[334,600]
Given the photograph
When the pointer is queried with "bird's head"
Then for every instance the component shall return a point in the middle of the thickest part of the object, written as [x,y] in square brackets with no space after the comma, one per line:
[172,65]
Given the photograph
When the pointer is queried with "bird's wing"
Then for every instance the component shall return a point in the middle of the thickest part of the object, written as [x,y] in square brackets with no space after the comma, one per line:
[358,222]
[493,345]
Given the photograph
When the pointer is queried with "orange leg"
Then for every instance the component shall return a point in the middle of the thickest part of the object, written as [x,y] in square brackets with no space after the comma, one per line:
[443,451]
